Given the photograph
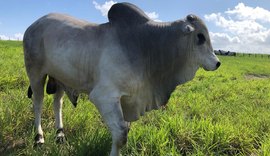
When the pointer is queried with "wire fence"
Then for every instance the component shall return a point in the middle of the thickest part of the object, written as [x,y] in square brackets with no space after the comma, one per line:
[253,55]
[10,39]
[228,53]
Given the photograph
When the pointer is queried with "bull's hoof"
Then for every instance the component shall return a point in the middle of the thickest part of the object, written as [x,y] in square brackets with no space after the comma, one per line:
[39,140]
[60,137]
[60,140]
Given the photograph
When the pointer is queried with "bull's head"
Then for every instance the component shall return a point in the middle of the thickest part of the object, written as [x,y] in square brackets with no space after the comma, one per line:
[202,50]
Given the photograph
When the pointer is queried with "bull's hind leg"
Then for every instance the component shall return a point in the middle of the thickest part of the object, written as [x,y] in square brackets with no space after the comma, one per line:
[58,101]
[37,86]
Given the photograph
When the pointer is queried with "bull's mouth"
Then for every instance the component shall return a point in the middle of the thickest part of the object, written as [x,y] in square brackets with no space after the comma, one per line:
[206,69]
[213,68]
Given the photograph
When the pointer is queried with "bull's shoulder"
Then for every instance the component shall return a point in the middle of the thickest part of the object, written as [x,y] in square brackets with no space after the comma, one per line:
[126,13]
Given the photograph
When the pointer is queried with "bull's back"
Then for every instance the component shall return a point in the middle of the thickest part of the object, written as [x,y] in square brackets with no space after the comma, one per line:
[47,27]
[59,46]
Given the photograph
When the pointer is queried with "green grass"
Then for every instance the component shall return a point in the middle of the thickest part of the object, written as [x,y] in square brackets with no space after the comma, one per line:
[226,112]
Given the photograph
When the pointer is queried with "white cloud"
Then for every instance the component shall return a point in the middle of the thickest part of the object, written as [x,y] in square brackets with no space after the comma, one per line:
[245,12]
[235,26]
[225,38]
[243,29]
[104,8]
[4,37]
[153,15]
[17,36]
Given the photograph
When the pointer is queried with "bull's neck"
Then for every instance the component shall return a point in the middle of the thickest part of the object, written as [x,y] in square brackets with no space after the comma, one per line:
[168,53]
[165,47]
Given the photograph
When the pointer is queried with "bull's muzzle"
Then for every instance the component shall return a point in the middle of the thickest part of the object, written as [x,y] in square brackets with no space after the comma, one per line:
[218,64]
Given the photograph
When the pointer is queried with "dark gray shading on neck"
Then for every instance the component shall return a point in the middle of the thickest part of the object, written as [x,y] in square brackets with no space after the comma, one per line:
[153,50]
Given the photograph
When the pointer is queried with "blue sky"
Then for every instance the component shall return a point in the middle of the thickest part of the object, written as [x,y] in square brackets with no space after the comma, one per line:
[233,25]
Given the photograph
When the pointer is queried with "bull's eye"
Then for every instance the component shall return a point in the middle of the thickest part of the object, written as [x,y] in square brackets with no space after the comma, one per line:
[201,39]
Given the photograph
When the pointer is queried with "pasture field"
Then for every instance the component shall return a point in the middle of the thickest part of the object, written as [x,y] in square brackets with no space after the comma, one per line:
[226,112]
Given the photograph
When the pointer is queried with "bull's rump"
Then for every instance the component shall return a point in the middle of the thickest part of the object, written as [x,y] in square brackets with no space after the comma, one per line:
[62,47]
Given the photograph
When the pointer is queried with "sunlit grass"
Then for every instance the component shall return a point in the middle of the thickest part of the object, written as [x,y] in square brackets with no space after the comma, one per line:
[226,112]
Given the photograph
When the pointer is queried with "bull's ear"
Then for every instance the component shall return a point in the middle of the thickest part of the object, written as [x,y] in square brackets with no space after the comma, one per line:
[188,29]
[191,18]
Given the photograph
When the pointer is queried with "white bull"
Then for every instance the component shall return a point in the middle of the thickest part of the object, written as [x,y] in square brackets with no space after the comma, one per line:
[127,66]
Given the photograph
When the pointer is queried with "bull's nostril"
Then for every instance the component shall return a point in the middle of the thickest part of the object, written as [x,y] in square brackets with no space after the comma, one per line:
[218,64]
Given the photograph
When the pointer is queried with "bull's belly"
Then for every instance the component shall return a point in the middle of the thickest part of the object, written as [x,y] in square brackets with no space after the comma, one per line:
[69,69]
[72,79]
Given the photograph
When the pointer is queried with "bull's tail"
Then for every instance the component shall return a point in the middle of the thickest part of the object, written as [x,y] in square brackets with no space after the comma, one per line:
[50,89]
[29,92]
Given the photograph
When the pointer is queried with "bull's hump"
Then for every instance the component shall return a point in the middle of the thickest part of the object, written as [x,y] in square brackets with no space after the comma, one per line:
[126,14]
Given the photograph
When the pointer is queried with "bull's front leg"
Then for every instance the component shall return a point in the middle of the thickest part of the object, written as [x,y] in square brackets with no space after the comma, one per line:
[118,128]
[110,109]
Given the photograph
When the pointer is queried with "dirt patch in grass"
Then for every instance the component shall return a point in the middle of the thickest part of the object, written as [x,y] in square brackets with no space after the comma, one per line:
[256,76]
